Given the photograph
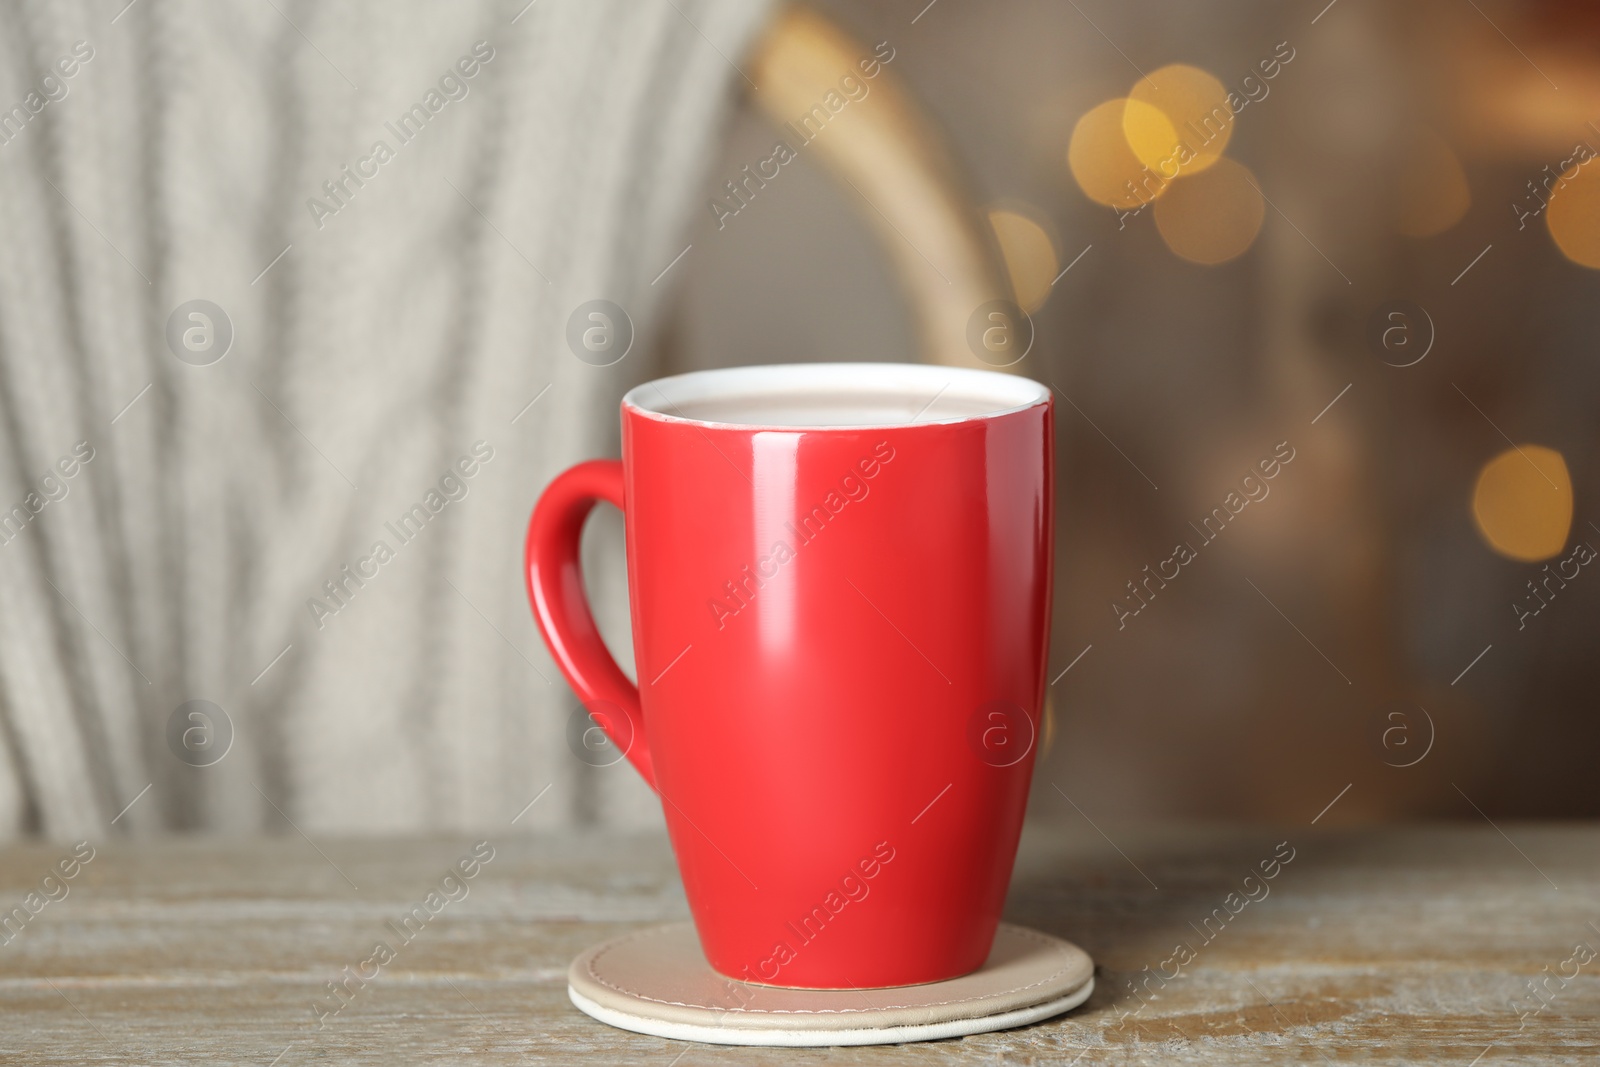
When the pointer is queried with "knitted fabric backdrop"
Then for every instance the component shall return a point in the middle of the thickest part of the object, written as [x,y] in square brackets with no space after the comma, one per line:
[389,331]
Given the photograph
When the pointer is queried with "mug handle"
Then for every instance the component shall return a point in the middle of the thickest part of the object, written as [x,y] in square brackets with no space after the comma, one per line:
[554,575]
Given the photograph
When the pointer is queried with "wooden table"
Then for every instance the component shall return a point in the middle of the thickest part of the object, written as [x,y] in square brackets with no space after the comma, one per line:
[1372,946]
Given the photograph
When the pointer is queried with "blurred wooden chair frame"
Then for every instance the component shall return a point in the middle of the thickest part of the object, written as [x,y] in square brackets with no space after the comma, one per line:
[895,161]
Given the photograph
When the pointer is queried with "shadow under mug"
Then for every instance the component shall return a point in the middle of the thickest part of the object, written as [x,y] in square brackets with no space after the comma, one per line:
[840,581]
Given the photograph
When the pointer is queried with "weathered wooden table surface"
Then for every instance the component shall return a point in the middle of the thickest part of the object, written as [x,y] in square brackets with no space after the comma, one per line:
[1451,944]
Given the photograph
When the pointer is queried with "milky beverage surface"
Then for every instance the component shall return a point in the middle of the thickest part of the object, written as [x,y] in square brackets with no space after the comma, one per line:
[836,408]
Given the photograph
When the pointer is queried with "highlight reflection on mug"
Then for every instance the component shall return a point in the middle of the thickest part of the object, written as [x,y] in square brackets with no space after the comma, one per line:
[590,731]
[1000,733]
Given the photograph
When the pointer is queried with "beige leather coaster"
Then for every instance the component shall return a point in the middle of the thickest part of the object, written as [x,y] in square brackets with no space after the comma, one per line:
[656,981]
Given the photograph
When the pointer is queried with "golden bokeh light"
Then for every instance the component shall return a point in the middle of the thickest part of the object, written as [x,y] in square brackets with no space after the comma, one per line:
[1029,253]
[1523,503]
[1152,138]
[1105,165]
[1199,120]
[1574,215]
[1213,216]
[1433,194]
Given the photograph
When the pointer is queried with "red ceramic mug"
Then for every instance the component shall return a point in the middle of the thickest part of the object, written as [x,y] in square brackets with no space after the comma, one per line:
[840,587]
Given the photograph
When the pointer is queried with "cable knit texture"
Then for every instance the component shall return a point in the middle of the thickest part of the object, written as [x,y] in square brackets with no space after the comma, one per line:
[411,317]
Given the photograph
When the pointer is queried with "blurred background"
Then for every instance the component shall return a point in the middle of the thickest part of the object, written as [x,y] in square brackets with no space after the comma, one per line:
[1322,639]
[1373,269]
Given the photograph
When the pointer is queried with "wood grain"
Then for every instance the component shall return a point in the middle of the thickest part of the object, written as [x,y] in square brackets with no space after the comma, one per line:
[1377,946]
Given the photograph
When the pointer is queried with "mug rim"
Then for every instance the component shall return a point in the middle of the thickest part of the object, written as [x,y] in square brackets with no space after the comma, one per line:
[1015,392]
